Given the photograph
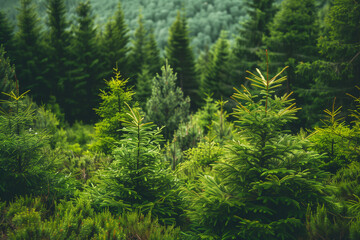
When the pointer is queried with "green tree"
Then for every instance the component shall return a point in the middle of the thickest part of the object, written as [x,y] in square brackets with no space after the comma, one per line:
[138,56]
[112,112]
[293,36]
[151,65]
[153,54]
[251,34]
[7,74]
[6,33]
[180,56]
[22,165]
[115,44]
[216,79]
[266,179]
[137,178]
[338,71]
[167,106]
[86,78]
[28,55]
[58,49]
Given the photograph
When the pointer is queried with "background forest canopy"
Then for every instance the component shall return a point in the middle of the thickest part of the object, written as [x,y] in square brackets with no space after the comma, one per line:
[180,119]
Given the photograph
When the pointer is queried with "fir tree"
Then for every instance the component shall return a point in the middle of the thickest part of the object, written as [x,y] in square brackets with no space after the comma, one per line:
[22,166]
[167,106]
[112,112]
[293,36]
[250,39]
[137,178]
[153,54]
[138,54]
[7,74]
[6,33]
[265,181]
[114,44]
[58,43]
[28,56]
[216,80]
[86,76]
[180,56]
[337,71]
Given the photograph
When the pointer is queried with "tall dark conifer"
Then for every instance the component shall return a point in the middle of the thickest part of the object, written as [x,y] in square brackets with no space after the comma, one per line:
[137,54]
[6,33]
[216,78]
[114,44]
[293,36]
[180,57]
[250,39]
[29,54]
[58,43]
[86,79]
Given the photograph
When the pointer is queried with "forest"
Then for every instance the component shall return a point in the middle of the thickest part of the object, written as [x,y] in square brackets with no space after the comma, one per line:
[178,119]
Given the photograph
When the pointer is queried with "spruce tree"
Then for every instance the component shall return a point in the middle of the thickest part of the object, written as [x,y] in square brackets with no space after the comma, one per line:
[216,80]
[85,79]
[250,39]
[167,105]
[263,184]
[28,55]
[180,56]
[137,178]
[115,44]
[22,165]
[137,52]
[112,112]
[337,71]
[7,74]
[293,36]
[6,33]
[58,43]
[154,60]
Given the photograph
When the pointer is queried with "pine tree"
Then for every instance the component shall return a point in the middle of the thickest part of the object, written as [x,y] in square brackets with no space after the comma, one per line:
[167,106]
[58,43]
[28,56]
[6,33]
[180,56]
[216,80]
[86,78]
[114,44]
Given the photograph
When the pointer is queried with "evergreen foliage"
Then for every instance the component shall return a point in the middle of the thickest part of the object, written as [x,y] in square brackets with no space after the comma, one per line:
[58,49]
[112,112]
[115,44]
[293,35]
[23,166]
[267,178]
[28,55]
[167,105]
[137,178]
[249,41]
[6,33]
[7,74]
[180,56]
[216,80]
[85,79]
